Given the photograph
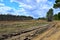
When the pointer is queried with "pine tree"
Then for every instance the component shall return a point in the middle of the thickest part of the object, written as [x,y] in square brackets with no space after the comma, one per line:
[57,4]
[50,15]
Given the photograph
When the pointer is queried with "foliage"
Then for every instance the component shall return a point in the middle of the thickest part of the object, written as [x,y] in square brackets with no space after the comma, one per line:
[14,17]
[57,4]
[41,18]
[57,16]
[50,15]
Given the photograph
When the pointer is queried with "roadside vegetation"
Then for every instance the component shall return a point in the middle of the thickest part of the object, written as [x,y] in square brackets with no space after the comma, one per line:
[17,26]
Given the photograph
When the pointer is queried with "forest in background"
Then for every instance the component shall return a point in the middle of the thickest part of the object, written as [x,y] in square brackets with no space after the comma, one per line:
[49,15]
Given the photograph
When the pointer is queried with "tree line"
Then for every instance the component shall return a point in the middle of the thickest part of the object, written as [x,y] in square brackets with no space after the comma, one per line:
[57,5]
[57,16]
[49,15]
[14,17]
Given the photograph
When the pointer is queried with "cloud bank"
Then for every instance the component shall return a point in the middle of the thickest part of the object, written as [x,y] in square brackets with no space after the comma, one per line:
[34,8]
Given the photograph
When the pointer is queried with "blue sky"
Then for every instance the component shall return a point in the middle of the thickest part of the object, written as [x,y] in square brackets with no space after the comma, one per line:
[34,8]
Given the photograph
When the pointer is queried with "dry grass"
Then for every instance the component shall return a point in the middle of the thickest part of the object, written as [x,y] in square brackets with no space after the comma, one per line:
[17,26]
[50,34]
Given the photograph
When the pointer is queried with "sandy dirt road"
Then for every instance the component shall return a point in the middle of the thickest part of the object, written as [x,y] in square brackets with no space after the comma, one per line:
[50,34]
[30,35]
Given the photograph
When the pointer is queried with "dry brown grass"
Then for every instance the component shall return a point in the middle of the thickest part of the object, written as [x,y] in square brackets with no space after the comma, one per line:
[50,34]
[17,26]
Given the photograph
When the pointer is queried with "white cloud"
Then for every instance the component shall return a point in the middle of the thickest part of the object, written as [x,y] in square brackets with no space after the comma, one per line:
[4,9]
[1,4]
[35,8]
[37,1]
[25,6]
[12,0]
[1,0]
[56,11]
[45,7]
[41,1]
[42,4]
[9,10]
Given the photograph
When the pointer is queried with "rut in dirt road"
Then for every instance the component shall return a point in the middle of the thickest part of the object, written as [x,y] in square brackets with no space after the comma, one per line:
[30,34]
[52,33]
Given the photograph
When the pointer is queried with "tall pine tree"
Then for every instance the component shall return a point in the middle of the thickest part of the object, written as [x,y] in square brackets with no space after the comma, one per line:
[57,4]
[50,15]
